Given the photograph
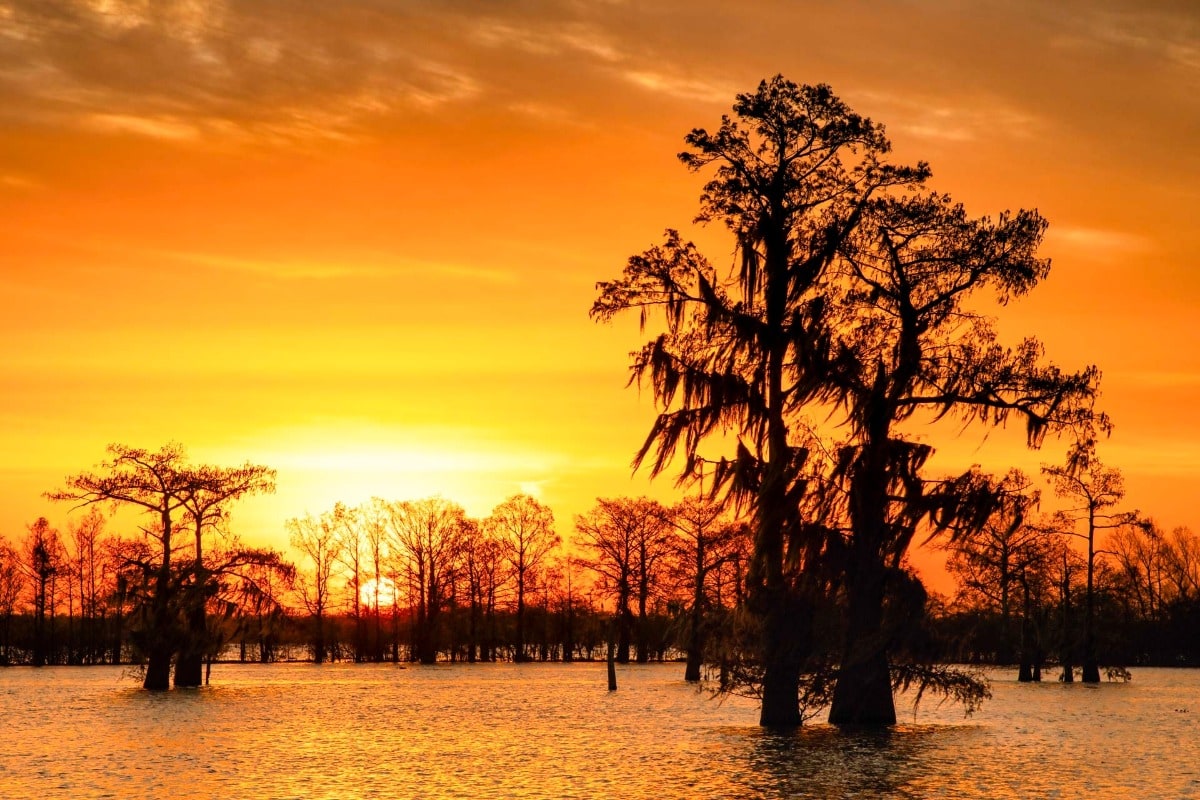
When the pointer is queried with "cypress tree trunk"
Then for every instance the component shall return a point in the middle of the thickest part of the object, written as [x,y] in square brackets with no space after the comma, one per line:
[1025,673]
[781,667]
[160,645]
[189,666]
[695,646]
[863,694]
[1091,667]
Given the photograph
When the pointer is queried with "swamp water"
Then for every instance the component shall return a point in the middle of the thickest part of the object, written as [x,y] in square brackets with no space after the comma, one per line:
[553,731]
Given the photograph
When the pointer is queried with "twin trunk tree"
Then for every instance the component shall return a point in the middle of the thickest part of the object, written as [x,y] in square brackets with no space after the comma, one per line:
[173,597]
[847,300]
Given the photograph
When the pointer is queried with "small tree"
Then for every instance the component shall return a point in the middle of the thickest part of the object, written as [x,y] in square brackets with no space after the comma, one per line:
[704,541]
[1094,491]
[524,530]
[990,563]
[43,561]
[317,541]
[12,584]
[429,536]
[623,538]
[348,523]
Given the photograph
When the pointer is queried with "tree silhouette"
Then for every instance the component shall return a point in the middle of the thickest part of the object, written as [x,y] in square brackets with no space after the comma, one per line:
[524,530]
[316,540]
[619,534]
[158,483]
[164,485]
[996,567]
[746,350]
[849,296]
[43,561]
[430,536]
[1095,490]
[704,542]
[12,583]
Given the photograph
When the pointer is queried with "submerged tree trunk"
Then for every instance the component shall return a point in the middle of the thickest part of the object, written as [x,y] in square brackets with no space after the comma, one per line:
[189,666]
[624,624]
[1068,668]
[1091,667]
[1025,671]
[160,645]
[781,667]
[519,652]
[695,646]
[863,694]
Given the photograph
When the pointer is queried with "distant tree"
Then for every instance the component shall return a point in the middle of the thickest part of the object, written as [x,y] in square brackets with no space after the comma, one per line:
[1182,555]
[989,563]
[524,530]
[1094,491]
[1064,568]
[43,561]
[249,587]
[348,522]
[317,542]
[1142,556]
[429,535]
[852,293]
[375,534]
[480,556]
[93,574]
[622,539]
[704,541]
[564,602]
[12,584]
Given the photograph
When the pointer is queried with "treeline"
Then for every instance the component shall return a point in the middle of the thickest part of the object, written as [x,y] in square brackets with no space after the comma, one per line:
[421,581]
[1080,588]
[385,581]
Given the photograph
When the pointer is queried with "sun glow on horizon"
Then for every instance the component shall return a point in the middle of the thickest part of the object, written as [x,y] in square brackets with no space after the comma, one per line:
[384,589]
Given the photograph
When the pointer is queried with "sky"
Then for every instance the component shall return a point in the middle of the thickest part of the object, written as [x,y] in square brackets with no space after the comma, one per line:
[358,241]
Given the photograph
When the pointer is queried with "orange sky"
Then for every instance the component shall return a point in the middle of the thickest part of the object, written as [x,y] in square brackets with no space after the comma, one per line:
[357,241]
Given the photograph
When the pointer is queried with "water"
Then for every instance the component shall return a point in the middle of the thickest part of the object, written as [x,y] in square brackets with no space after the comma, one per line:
[552,731]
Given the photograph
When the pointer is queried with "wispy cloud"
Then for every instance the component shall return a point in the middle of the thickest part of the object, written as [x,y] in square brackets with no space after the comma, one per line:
[682,87]
[1170,35]
[1098,243]
[967,120]
[154,128]
[185,69]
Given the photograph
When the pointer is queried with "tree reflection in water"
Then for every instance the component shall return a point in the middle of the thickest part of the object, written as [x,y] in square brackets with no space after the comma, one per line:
[825,762]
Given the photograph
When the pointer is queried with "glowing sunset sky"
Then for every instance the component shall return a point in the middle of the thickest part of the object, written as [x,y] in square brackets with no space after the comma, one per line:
[357,241]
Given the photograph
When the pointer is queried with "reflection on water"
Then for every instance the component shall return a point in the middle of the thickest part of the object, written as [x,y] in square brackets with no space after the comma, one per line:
[552,731]
[827,762]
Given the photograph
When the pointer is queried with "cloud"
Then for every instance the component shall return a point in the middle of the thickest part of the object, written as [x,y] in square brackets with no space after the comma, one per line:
[681,87]
[169,129]
[1165,33]
[1098,243]
[177,69]
[954,119]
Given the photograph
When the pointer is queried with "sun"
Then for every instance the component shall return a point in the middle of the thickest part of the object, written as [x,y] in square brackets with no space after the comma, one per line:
[387,592]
